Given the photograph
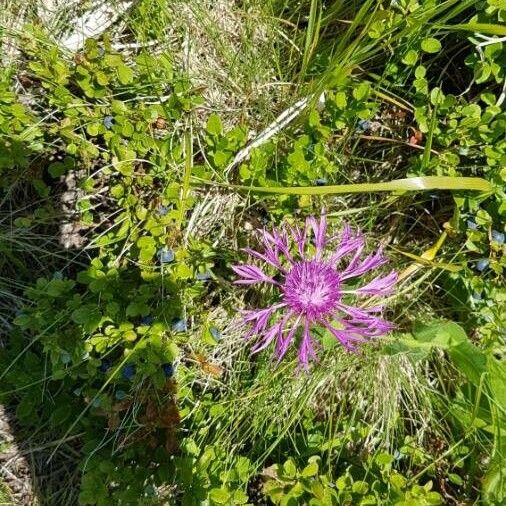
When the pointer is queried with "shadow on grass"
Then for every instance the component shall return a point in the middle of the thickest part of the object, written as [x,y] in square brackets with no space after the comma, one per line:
[67,404]
[30,224]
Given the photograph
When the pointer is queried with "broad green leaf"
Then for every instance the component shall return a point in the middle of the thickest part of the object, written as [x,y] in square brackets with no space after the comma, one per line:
[137,308]
[88,316]
[360,487]
[467,358]
[340,100]
[440,333]
[497,380]
[383,459]
[361,92]
[113,60]
[26,408]
[93,129]
[456,479]
[56,169]
[102,78]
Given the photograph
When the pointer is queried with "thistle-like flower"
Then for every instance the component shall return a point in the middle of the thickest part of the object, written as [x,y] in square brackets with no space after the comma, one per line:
[316,277]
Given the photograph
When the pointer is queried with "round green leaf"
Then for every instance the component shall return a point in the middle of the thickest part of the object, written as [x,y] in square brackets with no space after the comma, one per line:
[410,57]
[219,496]
[431,45]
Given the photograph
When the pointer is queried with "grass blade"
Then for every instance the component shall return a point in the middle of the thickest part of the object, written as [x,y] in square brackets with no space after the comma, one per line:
[488,28]
[408,184]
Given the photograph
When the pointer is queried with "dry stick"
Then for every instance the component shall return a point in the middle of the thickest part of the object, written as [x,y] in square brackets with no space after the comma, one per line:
[285,118]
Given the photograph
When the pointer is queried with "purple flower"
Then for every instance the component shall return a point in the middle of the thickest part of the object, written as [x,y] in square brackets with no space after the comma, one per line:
[316,277]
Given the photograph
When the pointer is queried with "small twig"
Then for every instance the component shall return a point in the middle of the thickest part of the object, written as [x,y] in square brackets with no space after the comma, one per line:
[285,118]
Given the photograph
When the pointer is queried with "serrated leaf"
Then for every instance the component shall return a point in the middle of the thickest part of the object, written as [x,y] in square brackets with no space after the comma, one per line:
[88,316]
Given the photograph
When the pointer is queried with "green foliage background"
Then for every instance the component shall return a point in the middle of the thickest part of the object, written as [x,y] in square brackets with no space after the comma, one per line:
[126,351]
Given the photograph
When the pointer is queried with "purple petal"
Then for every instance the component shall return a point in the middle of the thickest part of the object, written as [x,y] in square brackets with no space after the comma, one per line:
[251,274]
[271,333]
[379,286]
[368,324]
[299,236]
[344,337]
[345,235]
[320,233]
[281,238]
[306,350]
[380,328]
[284,342]
[275,243]
[267,337]
[345,248]
[356,268]
[259,318]
[356,257]
[268,257]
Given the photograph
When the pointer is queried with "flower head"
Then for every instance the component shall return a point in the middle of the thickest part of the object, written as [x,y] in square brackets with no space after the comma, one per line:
[316,276]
